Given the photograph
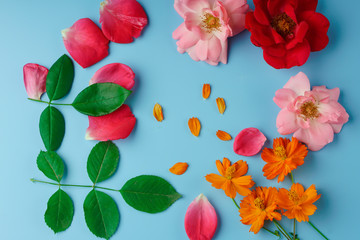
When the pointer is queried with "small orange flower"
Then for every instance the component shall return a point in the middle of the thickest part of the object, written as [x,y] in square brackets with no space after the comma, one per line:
[179,168]
[258,206]
[297,202]
[194,126]
[221,105]
[231,179]
[223,135]
[206,91]
[158,113]
[285,156]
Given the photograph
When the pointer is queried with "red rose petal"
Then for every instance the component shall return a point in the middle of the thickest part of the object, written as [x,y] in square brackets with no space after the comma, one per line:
[200,219]
[261,35]
[122,20]
[85,42]
[249,142]
[116,73]
[35,80]
[306,5]
[116,125]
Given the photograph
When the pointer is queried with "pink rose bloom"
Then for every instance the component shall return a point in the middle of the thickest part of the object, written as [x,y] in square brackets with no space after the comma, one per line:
[312,115]
[207,25]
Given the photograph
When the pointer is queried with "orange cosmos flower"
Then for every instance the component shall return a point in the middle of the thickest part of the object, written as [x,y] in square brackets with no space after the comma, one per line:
[231,179]
[285,156]
[297,202]
[258,206]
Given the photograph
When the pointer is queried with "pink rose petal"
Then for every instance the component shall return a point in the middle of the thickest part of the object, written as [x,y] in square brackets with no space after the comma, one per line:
[116,125]
[122,20]
[298,83]
[249,142]
[35,80]
[116,73]
[200,219]
[85,42]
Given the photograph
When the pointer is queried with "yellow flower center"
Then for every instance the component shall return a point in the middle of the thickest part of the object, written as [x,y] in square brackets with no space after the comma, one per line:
[280,152]
[309,110]
[259,203]
[210,23]
[283,25]
[230,172]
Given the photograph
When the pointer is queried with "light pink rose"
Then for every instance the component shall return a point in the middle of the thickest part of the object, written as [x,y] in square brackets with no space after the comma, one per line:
[312,115]
[207,26]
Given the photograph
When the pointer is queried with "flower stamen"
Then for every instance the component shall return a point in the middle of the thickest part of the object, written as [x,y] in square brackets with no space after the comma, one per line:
[259,203]
[280,152]
[284,25]
[229,174]
[309,110]
[210,23]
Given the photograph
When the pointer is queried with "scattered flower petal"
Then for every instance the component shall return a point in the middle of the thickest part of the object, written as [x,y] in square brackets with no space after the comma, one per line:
[115,73]
[249,142]
[221,105]
[223,135]
[179,168]
[122,20]
[158,113]
[200,219]
[206,91]
[116,125]
[35,80]
[194,126]
[85,42]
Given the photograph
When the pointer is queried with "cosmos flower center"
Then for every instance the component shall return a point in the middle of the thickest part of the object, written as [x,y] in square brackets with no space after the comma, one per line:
[259,203]
[309,110]
[210,23]
[230,172]
[280,152]
[284,25]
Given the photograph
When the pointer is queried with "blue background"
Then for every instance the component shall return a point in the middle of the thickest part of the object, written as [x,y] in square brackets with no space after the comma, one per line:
[30,32]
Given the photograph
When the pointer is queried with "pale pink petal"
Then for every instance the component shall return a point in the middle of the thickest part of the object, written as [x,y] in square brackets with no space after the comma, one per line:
[249,142]
[214,49]
[183,6]
[298,83]
[316,136]
[35,80]
[333,93]
[283,97]
[85,42]
[202,50]
[116,125]
[332,112]
[115,73]
[337,127]
[286,122]
[224,52]
[237,10]
[122,20]
[186,38]
[200,219]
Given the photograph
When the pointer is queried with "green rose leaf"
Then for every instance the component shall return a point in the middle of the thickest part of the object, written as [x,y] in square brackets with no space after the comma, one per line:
[60,211]
[52,128]
[51,164]
[101,214]
[100,99]
[103,161]
[60,78]
[149,194]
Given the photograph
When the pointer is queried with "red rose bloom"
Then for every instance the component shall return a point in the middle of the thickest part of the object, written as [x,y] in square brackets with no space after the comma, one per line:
[287,30]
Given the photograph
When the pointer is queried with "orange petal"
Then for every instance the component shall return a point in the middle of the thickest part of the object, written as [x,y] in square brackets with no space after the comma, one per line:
[221,105]
[223,135]
[179,168]
[158,113]
[195,126]
[206,91]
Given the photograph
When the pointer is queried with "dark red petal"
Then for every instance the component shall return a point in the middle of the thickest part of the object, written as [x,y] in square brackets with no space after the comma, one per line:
[276,7]
[260,35]
[85,42]
[116,125]
[122,20]
[318,28]
[296,56]
[116,73]
[261,13]
[300,33]
[306,5]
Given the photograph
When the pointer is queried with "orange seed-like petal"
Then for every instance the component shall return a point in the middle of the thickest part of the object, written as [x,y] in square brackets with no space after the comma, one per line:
[158,113]
[195,126]
[223,135]
[221,105]
[206,91]
[179,168]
